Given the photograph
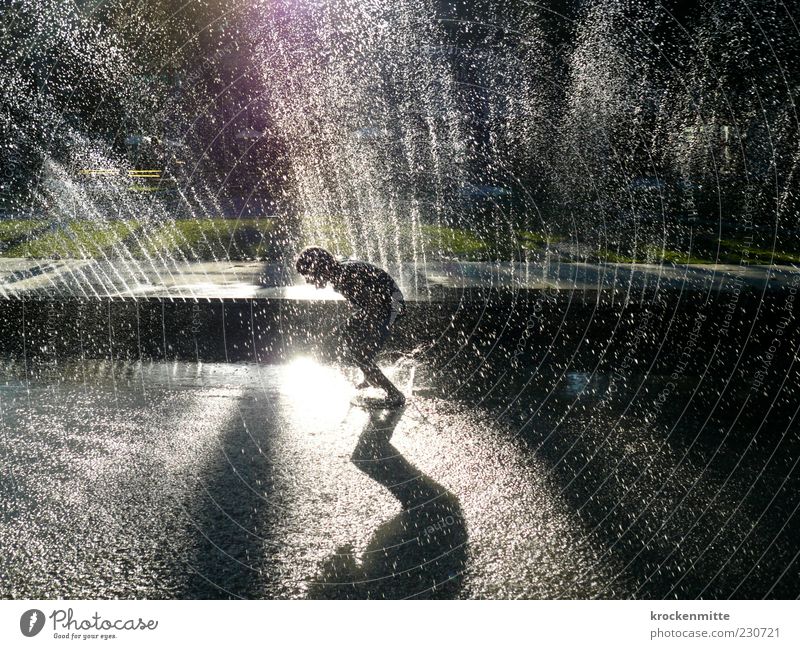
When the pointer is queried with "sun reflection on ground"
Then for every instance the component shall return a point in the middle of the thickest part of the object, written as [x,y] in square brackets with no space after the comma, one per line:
[316,394]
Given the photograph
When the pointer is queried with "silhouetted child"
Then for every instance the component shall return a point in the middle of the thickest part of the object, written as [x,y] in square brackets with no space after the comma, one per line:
[378,302]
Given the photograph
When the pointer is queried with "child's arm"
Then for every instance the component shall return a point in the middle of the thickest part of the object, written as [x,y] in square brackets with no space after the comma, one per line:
[397,306]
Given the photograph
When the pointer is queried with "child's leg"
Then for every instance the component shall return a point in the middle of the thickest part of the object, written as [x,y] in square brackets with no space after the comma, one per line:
[374,377]
[367,335]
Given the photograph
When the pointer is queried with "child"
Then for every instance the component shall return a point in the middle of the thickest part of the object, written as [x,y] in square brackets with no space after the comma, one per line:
[378,301]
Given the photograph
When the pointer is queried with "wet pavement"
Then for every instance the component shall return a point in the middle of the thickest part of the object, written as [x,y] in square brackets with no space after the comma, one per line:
[214,480]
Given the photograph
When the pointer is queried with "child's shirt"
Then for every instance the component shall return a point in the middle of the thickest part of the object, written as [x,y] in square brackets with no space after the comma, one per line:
[369,288]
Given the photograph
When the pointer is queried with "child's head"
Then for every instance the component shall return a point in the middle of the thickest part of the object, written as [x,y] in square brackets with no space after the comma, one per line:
[317,265]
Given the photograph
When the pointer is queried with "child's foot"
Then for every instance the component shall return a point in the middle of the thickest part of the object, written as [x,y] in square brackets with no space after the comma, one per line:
[395,399]
[390,401]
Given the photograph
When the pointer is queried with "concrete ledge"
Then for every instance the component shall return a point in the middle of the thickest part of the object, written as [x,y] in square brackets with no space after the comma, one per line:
[428,282]
[523,324]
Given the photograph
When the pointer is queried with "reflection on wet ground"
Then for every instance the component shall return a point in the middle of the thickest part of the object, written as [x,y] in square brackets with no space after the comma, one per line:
[190,480]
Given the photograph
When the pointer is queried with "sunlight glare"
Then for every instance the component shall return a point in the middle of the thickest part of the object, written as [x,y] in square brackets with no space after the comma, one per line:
[315,390]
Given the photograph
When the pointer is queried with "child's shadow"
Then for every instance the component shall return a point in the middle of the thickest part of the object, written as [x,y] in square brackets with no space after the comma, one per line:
[421,552]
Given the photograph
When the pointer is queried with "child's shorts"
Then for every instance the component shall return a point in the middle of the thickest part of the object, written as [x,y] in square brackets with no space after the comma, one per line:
[363,336]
